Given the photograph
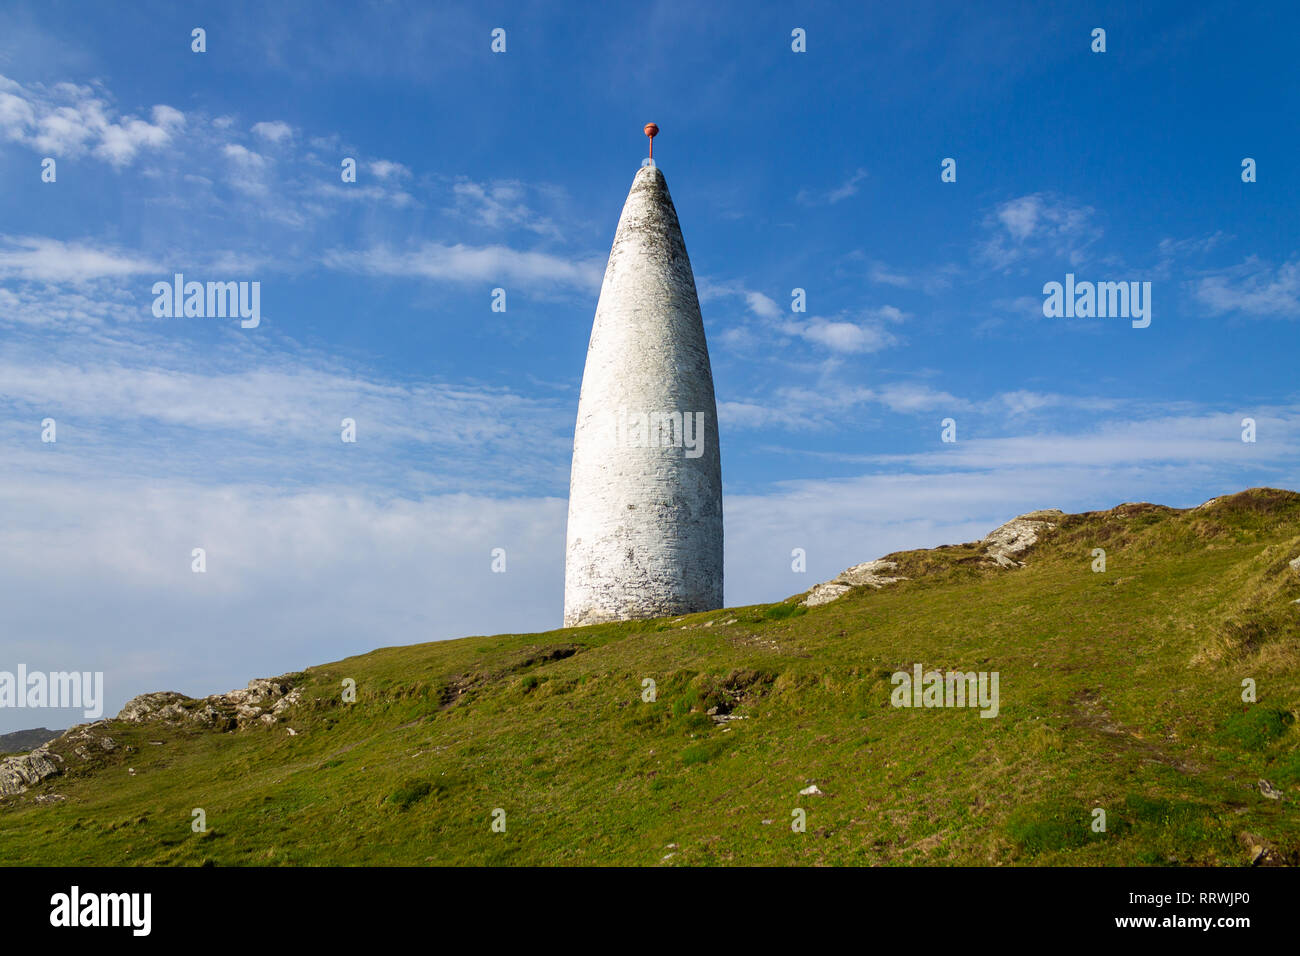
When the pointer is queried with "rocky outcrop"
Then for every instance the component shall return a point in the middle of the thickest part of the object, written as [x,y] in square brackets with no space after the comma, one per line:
[162,705]
[1019,535]
[87,741]
[263,701]
[19,773]
[1004,546]
[860,575]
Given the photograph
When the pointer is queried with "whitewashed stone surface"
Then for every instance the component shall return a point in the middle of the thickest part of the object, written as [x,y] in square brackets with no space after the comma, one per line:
[645,523]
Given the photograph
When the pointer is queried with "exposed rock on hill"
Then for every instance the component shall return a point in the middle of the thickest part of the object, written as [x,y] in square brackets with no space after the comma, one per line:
[860,575]
[1019,535]
[1001,548]
[263,701]
[19,773]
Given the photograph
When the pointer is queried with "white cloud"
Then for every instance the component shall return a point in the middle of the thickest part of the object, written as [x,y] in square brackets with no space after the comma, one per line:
[1254,288]
[498,205]
[930,281]
[750,414]
[839,193]
[762,306]
[50,260]
[276,132]
[386,169]
[881,273]
[249,174]
[1041,225]
[1024,402]
[272,418]
[1020,216]
[67,120]
[243,156]
[737,338]
[840,336]
[848,188]
[1182,248]
[888,313]
[826,405]
[81,305]
[758,303]
[1196,441]
[459,262]
[365,193]
[914,398]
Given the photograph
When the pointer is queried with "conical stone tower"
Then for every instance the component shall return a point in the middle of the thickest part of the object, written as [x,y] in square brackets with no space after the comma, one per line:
[645,496]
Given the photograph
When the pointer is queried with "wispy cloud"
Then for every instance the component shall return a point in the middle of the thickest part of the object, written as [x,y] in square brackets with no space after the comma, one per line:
[1201,441]
[841,335]
[762,306]
[274,132]
[387,169]
[861,332]
[930,281]
[278,419]
[499,205]
[837,194]
[825,405]
[50,260]
[459,262]
[1037,225]
[1254,288]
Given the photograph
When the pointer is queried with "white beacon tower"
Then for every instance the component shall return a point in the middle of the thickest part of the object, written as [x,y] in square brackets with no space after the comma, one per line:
[645,494]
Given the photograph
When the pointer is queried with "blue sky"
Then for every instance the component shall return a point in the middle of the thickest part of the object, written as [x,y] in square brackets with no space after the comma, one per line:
[477,170]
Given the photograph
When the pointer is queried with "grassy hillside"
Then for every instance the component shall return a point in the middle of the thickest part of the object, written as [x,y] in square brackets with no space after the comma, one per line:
[1119,690]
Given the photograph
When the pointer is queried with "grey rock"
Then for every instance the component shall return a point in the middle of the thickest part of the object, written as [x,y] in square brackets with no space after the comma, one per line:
[158,705]
[1266,789]
[1017,536]
[20,772]
[869,574]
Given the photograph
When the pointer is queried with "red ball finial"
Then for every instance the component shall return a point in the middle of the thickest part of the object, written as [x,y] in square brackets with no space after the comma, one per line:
[651,130]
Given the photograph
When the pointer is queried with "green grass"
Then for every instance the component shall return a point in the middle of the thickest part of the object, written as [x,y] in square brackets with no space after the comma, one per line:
[1119,691]
[1256,727]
